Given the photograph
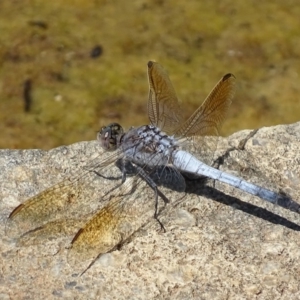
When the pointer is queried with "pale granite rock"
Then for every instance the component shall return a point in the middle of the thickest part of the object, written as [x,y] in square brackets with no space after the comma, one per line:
[219,243]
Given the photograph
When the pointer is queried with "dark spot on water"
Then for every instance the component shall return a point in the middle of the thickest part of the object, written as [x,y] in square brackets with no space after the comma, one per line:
[96,51]
[38,23]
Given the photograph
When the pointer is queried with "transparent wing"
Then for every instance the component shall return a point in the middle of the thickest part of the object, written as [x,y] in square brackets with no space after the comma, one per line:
[64,200]
[163,107]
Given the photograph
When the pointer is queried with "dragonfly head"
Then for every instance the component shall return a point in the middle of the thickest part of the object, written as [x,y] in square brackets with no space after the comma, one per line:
[109,136]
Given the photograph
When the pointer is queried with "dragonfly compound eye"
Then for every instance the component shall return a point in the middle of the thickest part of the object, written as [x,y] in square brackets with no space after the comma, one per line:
[109,136]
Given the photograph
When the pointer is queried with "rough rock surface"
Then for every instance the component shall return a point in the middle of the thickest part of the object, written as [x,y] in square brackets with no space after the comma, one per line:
[219,243]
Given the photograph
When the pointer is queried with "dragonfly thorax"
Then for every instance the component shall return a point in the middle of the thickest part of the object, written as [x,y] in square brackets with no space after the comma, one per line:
[148,145]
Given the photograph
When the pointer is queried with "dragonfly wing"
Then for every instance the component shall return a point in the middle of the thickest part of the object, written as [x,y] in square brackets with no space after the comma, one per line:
[61,228]
[207,119]
[112,220]
[113,224]
[63,200]
[163,107]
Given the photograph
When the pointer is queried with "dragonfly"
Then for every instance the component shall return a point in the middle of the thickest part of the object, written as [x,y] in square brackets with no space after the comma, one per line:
[148,155]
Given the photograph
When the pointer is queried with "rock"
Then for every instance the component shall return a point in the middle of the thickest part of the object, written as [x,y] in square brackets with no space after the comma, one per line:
[219,242]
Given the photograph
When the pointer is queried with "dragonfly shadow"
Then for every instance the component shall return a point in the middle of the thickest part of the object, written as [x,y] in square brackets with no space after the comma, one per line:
[192,187]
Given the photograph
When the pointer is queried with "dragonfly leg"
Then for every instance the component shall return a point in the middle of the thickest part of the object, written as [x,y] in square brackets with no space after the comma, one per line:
[157,192]
[162,228]
[241,146]
[124,166]
[108,177]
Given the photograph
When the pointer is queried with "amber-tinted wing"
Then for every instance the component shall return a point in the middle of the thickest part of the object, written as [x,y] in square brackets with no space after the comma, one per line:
[163,107]
[113,224]
[197,133]
[206,120]
[64,200]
